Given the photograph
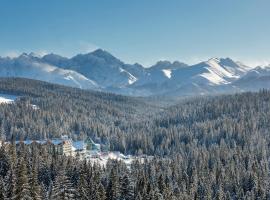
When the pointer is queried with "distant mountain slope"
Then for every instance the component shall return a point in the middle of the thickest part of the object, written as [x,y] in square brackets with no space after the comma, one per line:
[178,79]
[28,66]
[215,71]
[255,79]
[99,70]
[100,66]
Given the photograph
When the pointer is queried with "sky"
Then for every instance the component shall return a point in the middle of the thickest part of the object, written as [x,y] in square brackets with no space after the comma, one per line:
[142,31]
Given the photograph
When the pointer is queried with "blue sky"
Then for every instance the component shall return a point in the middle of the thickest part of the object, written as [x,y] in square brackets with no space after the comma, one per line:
[143,31]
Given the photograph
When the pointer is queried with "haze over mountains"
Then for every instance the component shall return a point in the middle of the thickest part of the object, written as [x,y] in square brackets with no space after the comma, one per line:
[99,70]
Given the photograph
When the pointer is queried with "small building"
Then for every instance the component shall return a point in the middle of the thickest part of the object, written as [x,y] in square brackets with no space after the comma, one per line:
[79,149]
[91,145]
[65,146]
[62,146]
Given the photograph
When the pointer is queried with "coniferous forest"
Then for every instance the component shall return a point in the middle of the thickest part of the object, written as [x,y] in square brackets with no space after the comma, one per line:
[201,148]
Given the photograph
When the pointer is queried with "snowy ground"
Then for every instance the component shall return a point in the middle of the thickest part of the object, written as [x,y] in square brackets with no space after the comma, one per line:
[4,98]
[35,107]
[8,99]
[102,158]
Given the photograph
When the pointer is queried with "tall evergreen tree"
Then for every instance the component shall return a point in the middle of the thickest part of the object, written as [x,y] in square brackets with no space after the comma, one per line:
[62,188]
[2,189]
[126,188]
[22,191]
[34,184]
[113,192]
[10,183]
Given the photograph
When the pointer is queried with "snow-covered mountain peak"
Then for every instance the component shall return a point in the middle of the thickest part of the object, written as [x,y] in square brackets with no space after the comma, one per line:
[165,64]
[100,70]
[28,66]
[35,55]
[214,59]
[236,69]
[258,72]
[23,55]
[53,56]
[222,62]
[31,57]
[213,72]
[263,67]
[100,53]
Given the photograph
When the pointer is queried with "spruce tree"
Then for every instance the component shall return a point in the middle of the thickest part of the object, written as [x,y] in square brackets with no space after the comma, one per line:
[2,189]
[10,183]
[22,191]
[34,184]
[62,188]
[113,192]
[82,188]
[4,162]
[126,188]
[101,192]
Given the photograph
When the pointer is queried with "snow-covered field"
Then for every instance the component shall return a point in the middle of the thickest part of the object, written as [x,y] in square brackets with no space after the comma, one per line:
[8,99]
[102,158]
[4,98]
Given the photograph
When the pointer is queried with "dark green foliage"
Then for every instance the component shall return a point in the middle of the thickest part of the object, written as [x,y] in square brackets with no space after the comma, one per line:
[113,189]
[204,148]
[62,188]
[22,191]
[2,189]
[126,188]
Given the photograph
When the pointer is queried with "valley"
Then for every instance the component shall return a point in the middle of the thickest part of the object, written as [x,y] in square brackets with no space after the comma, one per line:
[149,140]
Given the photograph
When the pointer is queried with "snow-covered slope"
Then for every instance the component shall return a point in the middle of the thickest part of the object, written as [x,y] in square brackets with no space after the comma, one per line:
[213,76]
[255,79]
[27,66]
[215,71]
[99,70]
[100,66]
[6,99]
[156,79]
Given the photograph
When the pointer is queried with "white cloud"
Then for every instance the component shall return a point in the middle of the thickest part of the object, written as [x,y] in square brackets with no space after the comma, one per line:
[87,47]
[42,52]
[11,54]
[256,63]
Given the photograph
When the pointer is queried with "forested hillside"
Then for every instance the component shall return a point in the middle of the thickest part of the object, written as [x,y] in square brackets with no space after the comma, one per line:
[204,148]
[64,110]
[132,125]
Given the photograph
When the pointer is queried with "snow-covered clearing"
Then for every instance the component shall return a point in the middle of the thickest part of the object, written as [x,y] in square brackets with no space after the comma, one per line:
[102,158]
[5,98]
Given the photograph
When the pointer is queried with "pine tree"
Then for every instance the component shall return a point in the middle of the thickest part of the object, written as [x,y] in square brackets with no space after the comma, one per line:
[22,191]
[10,183]
[4,162]
[34,184]
[157,195]
[161,184]
[44,192]
[12,149]
[101,192]
[113,186]
[62,188]
[126,188]
[2,189]
[82,188]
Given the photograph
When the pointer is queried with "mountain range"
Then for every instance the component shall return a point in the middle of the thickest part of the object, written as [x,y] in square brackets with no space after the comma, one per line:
[99,70]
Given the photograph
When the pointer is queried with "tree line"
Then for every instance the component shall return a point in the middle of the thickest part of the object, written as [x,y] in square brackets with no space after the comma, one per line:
[204,148]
